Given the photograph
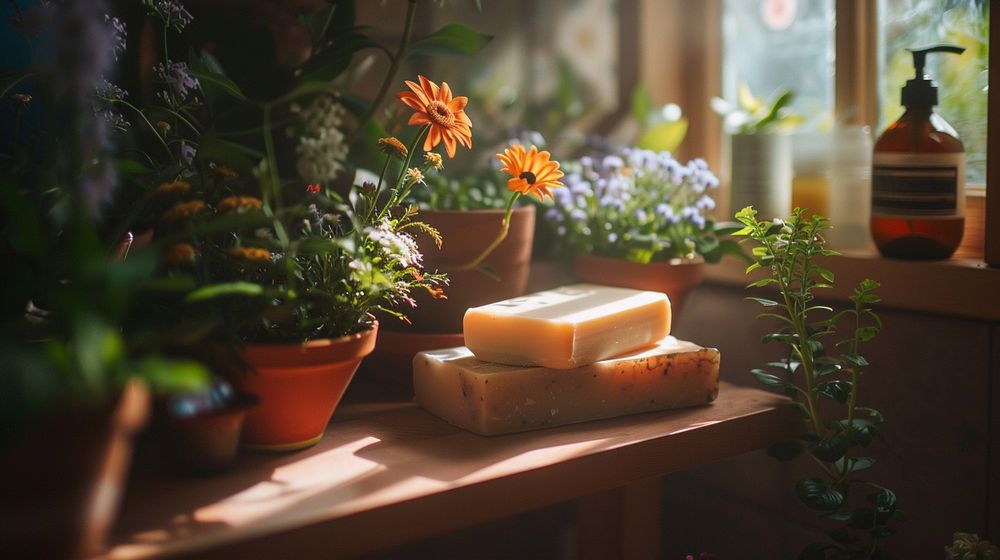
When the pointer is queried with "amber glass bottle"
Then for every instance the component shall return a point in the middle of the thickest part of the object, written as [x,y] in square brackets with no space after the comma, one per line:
[918,177]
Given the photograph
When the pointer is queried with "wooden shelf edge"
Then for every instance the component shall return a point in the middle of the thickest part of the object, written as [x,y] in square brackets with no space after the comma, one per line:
[955,287]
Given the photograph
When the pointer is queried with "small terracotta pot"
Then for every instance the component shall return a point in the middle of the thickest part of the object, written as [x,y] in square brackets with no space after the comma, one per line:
[63,481]
[674,277]
[207,442]
[299,386]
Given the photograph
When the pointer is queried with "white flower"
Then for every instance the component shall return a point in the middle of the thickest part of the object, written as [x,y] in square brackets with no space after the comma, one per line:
[322,147]
[397,245]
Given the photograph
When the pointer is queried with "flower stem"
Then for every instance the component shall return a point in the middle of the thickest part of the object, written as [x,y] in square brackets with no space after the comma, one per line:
[398,193]
[274,198]
[404,43]
[504,228]
[148,124]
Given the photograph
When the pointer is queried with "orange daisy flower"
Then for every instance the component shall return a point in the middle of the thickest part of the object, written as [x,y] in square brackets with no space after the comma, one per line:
[532,172]
[445,114]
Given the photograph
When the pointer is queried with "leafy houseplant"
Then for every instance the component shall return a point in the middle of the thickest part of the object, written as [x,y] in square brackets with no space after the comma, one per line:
[644,210]
[815,376]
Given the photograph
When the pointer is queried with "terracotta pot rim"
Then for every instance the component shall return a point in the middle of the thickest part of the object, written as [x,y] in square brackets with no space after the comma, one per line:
[311,352]
[676,261]
[497,211]
[243,402]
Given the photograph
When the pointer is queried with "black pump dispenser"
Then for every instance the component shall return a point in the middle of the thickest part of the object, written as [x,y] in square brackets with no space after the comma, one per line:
[921,92]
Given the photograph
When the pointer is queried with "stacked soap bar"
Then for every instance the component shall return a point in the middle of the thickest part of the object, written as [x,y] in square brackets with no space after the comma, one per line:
[489,398]
[567,327]
[576,353]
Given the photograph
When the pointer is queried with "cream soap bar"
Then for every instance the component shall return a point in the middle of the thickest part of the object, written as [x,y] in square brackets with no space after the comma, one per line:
[567,327]
[489,399]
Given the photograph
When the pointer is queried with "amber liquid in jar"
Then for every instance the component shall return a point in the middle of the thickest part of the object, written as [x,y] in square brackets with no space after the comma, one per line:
[932,228]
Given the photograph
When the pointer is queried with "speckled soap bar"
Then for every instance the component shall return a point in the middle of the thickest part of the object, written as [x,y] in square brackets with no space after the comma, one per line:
[489,398]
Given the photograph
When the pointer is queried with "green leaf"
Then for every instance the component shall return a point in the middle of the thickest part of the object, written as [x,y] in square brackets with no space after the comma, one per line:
[854,360]
[768,379]
[838,390]
[218,82]
[825,274]
[762,301]
[854,464]
[453,38]
[786,450]
[816,494]
[883,499]
[762,282]
[865,334]
[641,103]
[225,289]
[787,338]
[490,272]
[831,449]
[170,376]
[131,167]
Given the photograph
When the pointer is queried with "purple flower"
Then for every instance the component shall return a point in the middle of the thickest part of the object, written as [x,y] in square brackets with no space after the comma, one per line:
[705,203]
[612,162]
[612,237]
[640,215]
[180,83]
[119,35]
[577,215]
[554,214]
[188,152]
[173,14]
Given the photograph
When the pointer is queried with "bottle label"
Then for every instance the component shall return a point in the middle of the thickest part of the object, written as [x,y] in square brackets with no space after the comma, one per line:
[918,184]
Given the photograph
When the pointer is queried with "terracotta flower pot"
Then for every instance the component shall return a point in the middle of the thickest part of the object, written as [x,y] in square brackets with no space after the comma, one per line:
[466,233]
[674,277]
[299,386]
[207,442]
[63,481]
[437,323]
[390,366]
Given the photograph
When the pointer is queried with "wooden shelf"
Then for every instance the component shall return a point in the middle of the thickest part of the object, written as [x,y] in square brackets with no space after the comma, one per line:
[390,473]
[957,287]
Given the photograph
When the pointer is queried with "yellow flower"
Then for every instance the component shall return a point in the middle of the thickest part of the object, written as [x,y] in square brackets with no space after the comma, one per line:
[445,114]
[414,175]
[250,253]
[434,160]
[183,211]
[168,189]
[391,146]
[240,203]
[179,253]
[531,172]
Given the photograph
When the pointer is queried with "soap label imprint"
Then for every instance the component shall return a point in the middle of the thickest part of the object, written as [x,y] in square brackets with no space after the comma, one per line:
[925,185]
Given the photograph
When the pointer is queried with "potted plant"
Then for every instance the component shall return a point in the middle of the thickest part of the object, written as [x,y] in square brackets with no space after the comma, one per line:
[488,259]
[822,374]
[265,242]
[74,386]
[760,151]
[638,219]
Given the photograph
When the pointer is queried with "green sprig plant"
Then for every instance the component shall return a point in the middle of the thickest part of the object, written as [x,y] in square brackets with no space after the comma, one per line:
[823,385]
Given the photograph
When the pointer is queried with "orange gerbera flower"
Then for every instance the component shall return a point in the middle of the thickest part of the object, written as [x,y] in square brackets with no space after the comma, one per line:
[532,172]
[445,114]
